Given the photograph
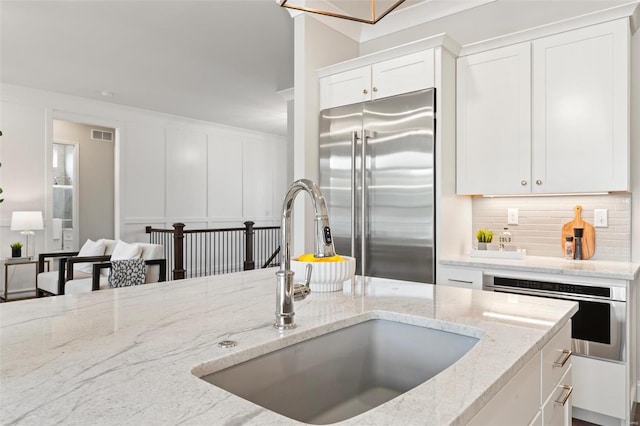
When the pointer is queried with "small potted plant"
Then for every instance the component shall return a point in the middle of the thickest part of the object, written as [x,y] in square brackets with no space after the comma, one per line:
[16,249]
[484,237]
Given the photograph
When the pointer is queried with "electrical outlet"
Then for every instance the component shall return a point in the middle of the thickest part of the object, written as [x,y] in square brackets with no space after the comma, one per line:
[512,216]
[600,218]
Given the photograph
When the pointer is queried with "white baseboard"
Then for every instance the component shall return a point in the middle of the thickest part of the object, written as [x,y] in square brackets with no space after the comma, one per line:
[596,418]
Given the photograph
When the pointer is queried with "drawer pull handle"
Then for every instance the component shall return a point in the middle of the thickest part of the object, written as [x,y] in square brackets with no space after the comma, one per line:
[566,355]
[563,401]
[459,281]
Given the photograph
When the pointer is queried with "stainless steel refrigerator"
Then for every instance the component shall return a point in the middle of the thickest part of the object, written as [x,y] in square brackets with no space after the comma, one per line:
[377,174]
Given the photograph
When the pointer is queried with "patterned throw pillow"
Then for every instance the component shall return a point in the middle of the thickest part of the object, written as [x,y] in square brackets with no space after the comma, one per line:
[126,272]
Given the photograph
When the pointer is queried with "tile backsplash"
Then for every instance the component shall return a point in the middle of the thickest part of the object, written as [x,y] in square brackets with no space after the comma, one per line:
[541,218]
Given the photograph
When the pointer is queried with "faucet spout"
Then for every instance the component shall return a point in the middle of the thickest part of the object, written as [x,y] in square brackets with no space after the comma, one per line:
[285,291]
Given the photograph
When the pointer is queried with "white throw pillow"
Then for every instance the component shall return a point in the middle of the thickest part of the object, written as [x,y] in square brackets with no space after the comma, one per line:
[90,248]
[124,251]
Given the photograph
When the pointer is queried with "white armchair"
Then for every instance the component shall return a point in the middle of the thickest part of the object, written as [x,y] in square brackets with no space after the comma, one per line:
[75,269]
[99,279]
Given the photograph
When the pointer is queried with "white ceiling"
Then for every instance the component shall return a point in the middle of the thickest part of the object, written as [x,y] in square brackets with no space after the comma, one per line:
[221,61]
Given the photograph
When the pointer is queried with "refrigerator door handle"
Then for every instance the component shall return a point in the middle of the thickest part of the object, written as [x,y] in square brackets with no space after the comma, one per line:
[354,193]
[364,225]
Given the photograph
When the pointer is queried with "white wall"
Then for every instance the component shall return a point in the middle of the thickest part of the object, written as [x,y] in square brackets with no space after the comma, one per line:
[316,46]
[168,168]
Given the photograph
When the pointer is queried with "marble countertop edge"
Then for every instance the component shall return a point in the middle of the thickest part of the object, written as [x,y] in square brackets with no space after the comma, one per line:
[554,265]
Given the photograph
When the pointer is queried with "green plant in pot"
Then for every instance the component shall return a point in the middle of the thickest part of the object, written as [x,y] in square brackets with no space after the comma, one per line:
[16,249]
[484,237]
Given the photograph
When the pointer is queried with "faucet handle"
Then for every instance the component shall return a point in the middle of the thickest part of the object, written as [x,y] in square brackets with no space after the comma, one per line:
[302,290]
[307,274]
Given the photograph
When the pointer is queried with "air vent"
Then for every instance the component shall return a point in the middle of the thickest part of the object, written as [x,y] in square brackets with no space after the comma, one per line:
[101,135]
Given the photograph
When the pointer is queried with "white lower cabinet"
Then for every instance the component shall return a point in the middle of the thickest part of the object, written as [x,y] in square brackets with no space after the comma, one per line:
[540,393]
[459,277]
[600,386]
[557,409]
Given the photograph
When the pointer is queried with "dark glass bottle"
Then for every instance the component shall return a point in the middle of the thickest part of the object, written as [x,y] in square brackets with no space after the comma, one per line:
[577,233]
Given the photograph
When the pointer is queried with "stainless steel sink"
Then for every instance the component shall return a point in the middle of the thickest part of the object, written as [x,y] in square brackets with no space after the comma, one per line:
[344,373]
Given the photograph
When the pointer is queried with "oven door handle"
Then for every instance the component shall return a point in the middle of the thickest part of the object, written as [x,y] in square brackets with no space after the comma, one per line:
[552,295]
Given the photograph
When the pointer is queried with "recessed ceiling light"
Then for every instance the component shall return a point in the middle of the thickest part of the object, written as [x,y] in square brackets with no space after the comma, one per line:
[107,93]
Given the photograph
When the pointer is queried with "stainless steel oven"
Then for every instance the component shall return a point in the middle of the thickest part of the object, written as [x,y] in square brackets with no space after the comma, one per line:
[597,329]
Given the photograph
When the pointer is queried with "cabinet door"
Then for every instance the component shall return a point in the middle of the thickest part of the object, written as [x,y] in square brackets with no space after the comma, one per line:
[580,114]
[345,88]
[403,75]
[517,403]
[494,122]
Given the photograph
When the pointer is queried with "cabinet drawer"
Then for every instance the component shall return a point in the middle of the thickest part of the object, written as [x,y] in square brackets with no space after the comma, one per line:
[556,359]
[557,409]
[457,277]
[600,386]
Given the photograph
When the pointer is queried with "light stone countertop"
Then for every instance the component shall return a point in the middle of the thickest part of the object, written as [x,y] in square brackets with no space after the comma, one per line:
[552,265]
[126,356]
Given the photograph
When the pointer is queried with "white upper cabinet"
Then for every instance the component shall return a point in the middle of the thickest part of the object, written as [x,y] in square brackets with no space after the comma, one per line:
[345,88]
[392,77]
[494,121]
[546,116]
[580,110]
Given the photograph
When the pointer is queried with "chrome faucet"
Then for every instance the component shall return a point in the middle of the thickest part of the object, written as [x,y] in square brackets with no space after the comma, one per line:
[286,291]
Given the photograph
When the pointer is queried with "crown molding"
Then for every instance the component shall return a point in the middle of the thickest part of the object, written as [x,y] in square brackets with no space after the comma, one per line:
[440,40]
[628,10]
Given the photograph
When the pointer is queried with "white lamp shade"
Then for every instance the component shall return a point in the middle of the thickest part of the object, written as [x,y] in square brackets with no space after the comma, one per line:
[26,221]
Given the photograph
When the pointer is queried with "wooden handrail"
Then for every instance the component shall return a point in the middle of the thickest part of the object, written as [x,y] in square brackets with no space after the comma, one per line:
[207,243]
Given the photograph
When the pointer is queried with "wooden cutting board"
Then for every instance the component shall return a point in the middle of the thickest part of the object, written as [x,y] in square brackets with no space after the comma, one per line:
[588,235]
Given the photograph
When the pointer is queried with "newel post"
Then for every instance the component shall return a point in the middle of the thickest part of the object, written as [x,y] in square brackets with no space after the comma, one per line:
[178,251]
[249,263]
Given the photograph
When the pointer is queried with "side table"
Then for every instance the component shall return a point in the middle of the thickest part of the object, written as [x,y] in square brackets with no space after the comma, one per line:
[11,262]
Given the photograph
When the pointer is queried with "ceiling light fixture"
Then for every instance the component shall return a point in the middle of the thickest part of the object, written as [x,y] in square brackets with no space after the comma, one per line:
[364,11]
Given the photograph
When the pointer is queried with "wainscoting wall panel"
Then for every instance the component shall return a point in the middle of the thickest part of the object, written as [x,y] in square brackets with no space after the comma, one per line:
[186,173]
[143,170]
[225,174]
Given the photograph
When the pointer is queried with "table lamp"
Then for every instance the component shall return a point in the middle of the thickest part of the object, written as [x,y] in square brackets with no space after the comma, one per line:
[26,223]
